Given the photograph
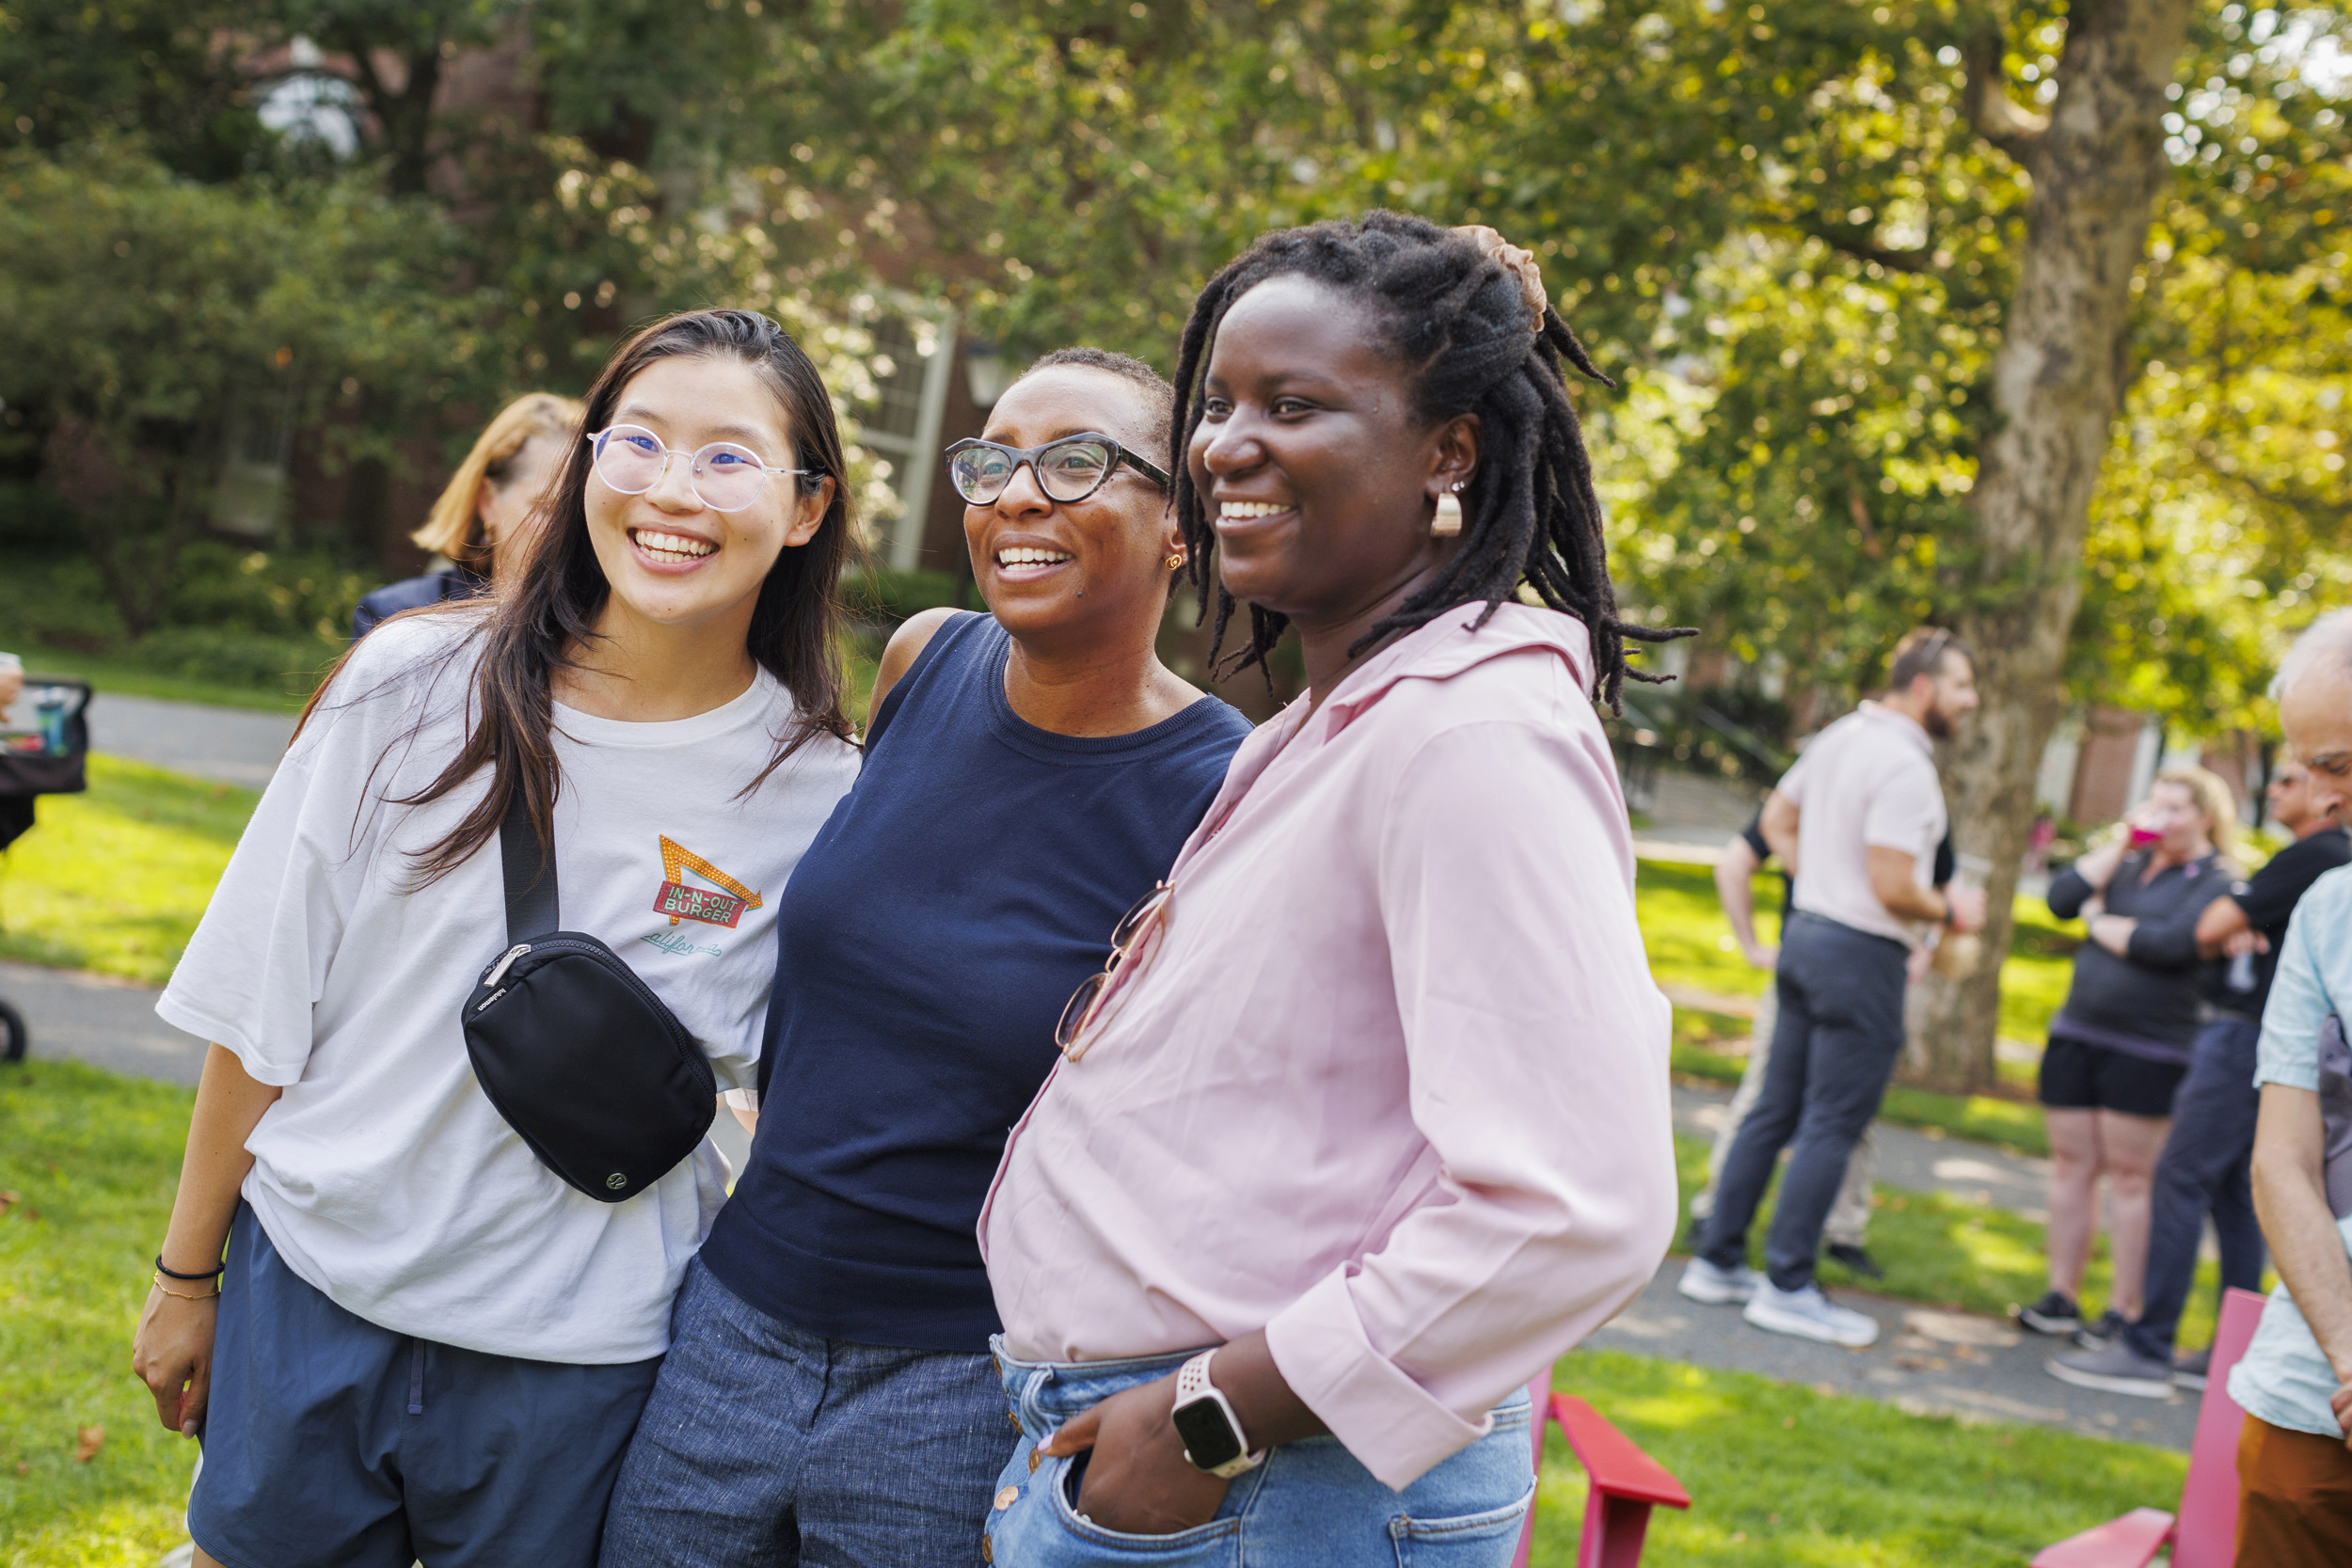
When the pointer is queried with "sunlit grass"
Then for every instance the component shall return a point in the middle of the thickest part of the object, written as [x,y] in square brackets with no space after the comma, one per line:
[116,880]
[1690,944]
[1940,1250]
[91,1161]
[1781,1474]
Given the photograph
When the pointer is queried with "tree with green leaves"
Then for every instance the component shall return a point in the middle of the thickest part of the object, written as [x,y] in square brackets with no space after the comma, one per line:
[143,315]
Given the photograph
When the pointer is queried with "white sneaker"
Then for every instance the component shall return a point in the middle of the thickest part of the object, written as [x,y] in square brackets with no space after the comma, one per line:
[1810,1315]
[1702,1281]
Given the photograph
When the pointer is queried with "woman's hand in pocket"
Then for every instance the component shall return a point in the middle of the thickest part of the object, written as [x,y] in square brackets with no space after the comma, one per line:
[172,1353]
[1139,1481]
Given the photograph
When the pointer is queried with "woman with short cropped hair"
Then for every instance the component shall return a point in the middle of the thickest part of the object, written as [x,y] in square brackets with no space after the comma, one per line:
[1029,774]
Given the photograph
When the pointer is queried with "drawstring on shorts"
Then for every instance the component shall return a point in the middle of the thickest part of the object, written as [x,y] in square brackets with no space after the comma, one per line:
[416,1349]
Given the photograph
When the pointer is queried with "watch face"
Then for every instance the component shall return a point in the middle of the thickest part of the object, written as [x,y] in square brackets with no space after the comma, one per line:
[1209,1438]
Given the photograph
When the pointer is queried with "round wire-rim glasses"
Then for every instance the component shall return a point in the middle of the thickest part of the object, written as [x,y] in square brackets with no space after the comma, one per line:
[1069,468]
[1149,915]
[723,475]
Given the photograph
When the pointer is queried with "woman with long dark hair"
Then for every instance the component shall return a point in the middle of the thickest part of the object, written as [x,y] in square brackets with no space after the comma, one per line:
[399,1333]
[1366,1121]
[1029,773]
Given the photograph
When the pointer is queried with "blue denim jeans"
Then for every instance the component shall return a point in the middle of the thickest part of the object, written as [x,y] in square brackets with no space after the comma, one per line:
[2205,1168]
[1310,1505]
[766,1445]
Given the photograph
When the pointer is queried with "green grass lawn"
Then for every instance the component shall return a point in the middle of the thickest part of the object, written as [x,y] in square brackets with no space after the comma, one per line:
[90,1159]
[87,1161]
[132,680]
[1943,1251]
[1690,944]
[116,880]
[1780,1474]
[1714,1047]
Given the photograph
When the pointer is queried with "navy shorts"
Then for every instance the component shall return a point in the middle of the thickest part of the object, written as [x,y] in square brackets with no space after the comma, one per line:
[329,1440]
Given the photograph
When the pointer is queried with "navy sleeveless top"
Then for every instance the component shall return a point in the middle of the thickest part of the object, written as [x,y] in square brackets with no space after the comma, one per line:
[925,947]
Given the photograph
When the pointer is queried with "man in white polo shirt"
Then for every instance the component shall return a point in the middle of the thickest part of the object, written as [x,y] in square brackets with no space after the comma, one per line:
[1859,815]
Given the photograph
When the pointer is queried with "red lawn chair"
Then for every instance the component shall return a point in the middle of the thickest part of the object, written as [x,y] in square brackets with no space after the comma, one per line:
[1624,1483]
[2205,1533]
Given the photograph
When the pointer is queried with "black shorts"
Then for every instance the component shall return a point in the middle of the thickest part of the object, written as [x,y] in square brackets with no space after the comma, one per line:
[2079,1076]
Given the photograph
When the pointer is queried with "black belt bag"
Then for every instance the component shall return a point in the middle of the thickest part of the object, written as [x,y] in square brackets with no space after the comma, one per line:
[575,1052]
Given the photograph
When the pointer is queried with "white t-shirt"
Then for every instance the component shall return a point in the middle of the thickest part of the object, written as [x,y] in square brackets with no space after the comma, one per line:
[1868,779]
[383,1174]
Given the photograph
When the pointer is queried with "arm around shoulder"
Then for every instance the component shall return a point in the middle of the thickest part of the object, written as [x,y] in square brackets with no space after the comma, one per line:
[906,645]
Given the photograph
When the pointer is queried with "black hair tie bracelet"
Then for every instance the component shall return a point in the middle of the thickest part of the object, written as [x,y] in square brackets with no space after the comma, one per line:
[213,1273]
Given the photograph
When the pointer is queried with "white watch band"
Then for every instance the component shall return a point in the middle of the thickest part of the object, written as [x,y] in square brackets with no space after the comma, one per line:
[1193,1387]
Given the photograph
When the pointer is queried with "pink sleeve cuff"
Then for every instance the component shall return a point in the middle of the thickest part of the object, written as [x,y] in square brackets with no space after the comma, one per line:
[1385,1419]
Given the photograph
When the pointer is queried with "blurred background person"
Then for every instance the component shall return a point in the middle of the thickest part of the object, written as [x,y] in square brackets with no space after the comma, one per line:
[1860,817]
[2294,1382]
[2207,1159]
[485,506]
[1735,889]
[2121,1045]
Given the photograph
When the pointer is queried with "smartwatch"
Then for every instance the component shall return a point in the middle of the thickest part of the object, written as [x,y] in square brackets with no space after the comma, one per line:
[1206,1425]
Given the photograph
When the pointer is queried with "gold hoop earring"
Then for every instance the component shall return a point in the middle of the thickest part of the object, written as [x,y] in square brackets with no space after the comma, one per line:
[1448,522]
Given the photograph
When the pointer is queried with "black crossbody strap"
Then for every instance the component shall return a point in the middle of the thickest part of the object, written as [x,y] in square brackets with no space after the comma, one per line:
[533,908]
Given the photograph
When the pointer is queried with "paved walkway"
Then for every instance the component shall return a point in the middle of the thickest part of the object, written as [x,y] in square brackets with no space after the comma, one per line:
[1924,1360]
[1914,1159]
[112,1024]
[1927,1362]
[106,1022]
[235,745]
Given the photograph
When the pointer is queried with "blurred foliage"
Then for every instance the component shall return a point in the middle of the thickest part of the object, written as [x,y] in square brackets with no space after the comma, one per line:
[1774,221]
[144,317]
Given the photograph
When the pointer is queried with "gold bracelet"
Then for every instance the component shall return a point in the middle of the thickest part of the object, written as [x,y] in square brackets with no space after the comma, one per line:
[186,1295]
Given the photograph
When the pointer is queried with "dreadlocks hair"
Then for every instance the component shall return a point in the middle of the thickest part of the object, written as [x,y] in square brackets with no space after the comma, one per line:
[1457,321]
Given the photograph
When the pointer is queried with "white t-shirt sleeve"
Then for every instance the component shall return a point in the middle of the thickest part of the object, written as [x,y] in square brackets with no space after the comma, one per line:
[258,962]
[1905,813]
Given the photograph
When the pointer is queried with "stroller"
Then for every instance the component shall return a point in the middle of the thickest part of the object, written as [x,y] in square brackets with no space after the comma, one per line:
[51,758]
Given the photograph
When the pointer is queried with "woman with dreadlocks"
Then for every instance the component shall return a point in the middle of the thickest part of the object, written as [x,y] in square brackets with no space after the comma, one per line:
[1366,1120]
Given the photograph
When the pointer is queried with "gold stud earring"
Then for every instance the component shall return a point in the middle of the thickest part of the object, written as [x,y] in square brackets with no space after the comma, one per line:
[1174,561]
[1448,522]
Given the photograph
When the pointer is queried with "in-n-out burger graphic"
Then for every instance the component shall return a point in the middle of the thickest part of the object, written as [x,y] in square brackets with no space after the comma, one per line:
[722,904]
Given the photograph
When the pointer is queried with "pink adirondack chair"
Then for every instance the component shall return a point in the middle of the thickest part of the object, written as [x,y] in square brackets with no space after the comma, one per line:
[1624,1484]
[2205,1535]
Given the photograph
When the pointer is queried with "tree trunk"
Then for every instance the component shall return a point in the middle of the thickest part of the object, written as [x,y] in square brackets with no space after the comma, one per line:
[2057,384]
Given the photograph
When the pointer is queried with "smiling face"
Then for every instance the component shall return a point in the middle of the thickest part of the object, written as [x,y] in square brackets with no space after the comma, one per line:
[1059,569]
[1317,474]
[669,559]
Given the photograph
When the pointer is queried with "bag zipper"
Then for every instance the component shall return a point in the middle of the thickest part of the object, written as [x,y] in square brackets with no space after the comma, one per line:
[506,962]
[679,1038]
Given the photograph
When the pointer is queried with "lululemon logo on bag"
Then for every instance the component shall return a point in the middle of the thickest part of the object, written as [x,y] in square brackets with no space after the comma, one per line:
[616,1181]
